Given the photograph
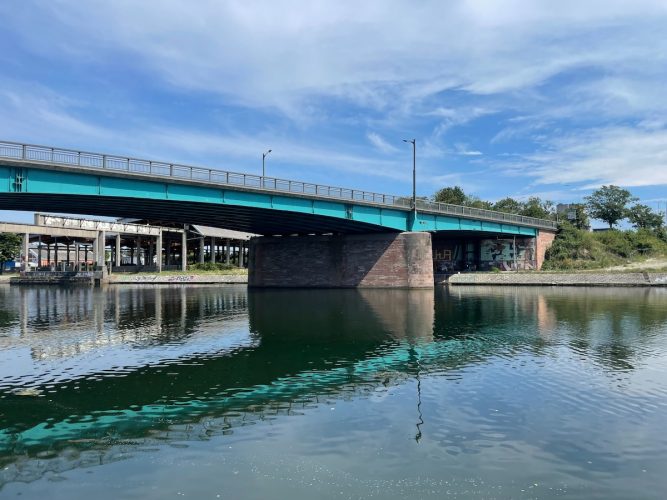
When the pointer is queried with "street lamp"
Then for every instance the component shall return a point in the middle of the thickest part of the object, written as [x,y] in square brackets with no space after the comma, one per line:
[264,155]
[414,173]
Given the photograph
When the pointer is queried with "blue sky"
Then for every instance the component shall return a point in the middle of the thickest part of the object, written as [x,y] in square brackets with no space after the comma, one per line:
[504,98]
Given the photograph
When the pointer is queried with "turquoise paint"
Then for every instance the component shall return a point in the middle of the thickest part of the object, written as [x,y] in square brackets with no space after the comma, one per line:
[506,228]
[444,223]
[75,183]
[46,181]
[180,192]
[301,205]
[470,225]
[426,222]
[370,215]
[245,199]
[4,183]
[493,227]
[328,208]
[394,219]
[132,188]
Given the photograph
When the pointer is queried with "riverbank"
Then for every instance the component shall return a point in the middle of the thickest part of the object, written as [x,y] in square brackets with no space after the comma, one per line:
[643,279]
[173,278]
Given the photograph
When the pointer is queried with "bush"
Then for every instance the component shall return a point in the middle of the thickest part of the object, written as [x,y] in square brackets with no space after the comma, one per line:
[211,266]
[577,249]
[617,242]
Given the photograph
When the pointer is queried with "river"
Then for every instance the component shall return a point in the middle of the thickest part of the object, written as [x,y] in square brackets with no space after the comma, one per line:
[221,392]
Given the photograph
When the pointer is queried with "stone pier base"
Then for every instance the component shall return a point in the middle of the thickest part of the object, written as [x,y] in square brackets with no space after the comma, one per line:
[392,260]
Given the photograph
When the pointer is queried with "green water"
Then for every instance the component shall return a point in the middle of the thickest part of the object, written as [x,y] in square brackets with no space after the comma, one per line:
[220,392]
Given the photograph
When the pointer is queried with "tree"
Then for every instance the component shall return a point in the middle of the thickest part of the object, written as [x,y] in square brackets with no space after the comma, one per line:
[580,220]
[508,205]
[453,195]
[475,202]
[10,248]
[609,204]
[644,217]
[535,207]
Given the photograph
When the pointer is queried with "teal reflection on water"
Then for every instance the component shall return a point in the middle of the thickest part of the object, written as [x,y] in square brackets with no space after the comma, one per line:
[476,391]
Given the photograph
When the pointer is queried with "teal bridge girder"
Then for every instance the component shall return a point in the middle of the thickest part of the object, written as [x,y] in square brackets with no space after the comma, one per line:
[40,178]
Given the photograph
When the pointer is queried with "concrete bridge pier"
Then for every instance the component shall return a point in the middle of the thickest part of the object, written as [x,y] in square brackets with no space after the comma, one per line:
[380,260]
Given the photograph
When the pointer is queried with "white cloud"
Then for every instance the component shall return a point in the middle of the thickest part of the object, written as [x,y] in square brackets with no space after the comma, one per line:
[378,53]
[622,156]
[380,144]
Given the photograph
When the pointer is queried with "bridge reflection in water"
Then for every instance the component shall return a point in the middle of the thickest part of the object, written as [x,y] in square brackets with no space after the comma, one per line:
[86,374]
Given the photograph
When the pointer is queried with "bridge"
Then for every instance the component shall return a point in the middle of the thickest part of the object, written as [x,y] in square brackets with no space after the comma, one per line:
[41,178]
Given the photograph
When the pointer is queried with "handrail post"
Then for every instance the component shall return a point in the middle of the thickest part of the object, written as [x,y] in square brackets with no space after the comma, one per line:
[171,170]
[78,158]
[104,161]
[23,155]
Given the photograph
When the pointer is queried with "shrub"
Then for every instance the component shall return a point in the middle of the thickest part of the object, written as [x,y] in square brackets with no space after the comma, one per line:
[211,266]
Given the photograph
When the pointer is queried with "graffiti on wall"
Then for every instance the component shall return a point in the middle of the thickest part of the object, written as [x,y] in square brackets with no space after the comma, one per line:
[500,254]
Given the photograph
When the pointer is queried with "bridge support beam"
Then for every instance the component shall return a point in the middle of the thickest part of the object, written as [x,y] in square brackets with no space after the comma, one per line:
[389,260]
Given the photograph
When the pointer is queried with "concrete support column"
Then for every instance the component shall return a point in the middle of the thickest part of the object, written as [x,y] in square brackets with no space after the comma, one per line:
[102,244]
[213,249]
[227,251]
[158,251]
[202,248]
[119,261]
[26,252]
[76,256]
[184,250]
[138,250]
[240,254]
[167,251]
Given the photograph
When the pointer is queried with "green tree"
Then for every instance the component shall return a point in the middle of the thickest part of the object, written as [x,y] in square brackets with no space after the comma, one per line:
[580,220]
[609,204]
[453,195]
[508,205]
[536,207]
[10,248]
[644,217]
[475,202]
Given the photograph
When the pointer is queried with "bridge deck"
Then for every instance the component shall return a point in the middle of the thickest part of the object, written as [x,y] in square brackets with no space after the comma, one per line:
[121,165]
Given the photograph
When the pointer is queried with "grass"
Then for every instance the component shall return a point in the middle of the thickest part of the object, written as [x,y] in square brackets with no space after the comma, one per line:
[577,250]
[233,271]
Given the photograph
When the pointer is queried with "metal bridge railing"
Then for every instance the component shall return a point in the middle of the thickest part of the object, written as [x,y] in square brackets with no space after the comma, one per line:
[83,159]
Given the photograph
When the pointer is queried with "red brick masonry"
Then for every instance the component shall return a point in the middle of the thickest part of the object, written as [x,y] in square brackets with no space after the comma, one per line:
[394,260]
[544,241]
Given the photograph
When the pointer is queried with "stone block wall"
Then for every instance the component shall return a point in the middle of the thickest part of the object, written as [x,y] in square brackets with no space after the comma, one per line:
[391,260]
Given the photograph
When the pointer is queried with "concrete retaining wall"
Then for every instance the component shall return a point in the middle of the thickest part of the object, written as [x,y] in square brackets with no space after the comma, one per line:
[392,260]
[560,279]
[176,279]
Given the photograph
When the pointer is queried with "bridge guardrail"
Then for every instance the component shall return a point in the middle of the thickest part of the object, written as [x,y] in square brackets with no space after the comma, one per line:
[73,158]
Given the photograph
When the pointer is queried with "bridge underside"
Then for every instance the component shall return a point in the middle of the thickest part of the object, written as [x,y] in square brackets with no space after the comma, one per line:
[239,218]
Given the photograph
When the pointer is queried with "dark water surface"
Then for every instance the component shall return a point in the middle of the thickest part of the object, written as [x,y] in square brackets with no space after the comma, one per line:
[220,392]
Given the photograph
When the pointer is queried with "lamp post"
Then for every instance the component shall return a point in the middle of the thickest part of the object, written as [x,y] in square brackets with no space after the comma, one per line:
[414,173]
[264,155]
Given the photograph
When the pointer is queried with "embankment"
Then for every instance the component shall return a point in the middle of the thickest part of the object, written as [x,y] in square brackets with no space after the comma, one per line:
[559,279]
[177,279]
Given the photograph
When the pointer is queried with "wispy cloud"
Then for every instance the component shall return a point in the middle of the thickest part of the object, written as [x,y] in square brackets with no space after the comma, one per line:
[380,144]
[515,88]
[623,156]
